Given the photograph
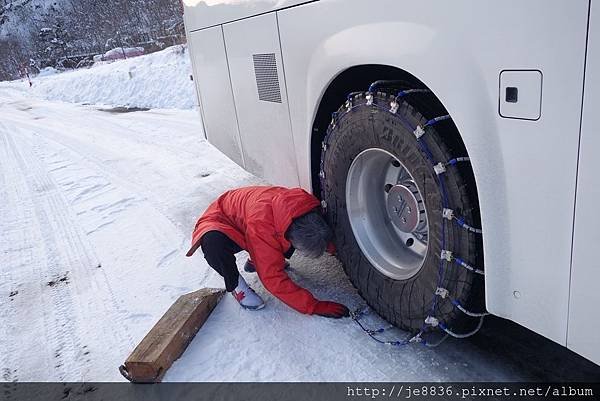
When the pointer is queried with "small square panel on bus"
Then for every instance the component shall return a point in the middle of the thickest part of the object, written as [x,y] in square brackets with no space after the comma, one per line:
[521,94]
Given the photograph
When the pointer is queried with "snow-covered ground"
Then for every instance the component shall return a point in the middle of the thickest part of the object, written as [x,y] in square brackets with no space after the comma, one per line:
[96,209]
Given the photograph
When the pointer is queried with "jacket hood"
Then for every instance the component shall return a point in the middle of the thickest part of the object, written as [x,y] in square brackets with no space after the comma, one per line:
[289,205]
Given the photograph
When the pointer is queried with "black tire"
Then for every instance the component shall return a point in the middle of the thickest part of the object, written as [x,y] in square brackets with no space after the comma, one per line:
[404,303]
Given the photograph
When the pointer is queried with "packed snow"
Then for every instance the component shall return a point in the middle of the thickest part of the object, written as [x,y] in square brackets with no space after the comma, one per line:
[97,205]
[157,80]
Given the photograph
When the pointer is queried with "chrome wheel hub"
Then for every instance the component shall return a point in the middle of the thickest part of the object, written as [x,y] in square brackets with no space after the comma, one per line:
[387,213]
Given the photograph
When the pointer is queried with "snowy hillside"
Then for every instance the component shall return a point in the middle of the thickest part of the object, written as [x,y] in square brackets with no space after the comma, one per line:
[14,12]
[35,34]
[157,80]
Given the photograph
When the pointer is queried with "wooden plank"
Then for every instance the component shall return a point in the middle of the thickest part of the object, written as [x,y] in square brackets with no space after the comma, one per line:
[170,336]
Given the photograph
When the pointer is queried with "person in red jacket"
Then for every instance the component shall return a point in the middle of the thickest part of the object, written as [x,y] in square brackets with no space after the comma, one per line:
[270,223]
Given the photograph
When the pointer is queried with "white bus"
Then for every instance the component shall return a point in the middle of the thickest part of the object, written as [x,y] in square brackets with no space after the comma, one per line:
[452,144]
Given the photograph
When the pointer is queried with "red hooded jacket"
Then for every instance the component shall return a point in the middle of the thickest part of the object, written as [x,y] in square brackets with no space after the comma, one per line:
[256,218]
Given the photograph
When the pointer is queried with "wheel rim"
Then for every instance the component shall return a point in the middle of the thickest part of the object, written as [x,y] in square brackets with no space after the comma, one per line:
[387,213]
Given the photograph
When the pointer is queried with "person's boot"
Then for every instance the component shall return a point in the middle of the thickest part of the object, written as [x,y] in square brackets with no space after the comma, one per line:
[249,266]
[246,296]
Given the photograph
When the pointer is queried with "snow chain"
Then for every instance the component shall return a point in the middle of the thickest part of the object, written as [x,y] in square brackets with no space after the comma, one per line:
[447,257]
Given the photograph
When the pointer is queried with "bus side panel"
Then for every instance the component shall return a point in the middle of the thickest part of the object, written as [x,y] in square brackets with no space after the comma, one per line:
[260,95]
[211,75]
[525,169]
[584,319]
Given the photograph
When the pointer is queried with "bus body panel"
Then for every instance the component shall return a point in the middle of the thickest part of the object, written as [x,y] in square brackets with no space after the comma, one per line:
[201,14]
[261,100]
[207,49]
[583,335]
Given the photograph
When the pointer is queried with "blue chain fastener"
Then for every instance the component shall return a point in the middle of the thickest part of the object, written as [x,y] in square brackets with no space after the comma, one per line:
[449,215]
[439,168]
[348,105]
[358,313]
[466,312]
[419,132]
[449,257]
[432,321]
[457,160]
[416,339]
[394,105]
[333,119]
[461,222]
[437,120]
[403,93]
[467,266]
[446,255]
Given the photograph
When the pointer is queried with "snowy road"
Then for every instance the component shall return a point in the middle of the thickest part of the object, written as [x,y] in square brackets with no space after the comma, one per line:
[95,211]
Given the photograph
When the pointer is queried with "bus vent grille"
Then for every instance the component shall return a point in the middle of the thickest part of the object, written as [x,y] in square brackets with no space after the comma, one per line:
[267,82]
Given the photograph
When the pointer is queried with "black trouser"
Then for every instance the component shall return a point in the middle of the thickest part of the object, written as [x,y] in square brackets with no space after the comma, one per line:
[219,251]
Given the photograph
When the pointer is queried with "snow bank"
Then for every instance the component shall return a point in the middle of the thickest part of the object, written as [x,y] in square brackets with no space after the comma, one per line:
[157,80]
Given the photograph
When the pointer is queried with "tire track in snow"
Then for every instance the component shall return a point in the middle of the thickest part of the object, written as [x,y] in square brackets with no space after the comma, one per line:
[109,208]
[113,179]
[75,317]
[12,254]
[104,304]
[26,266]
[61,331]
[55,138]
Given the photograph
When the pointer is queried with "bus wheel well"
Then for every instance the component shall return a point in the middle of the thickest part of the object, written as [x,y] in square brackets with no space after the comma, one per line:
[358,78]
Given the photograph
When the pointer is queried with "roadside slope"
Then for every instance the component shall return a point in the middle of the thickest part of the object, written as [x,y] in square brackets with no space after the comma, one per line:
[156,80]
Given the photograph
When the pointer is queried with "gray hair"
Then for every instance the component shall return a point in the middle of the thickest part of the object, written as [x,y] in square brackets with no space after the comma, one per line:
[310,234]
